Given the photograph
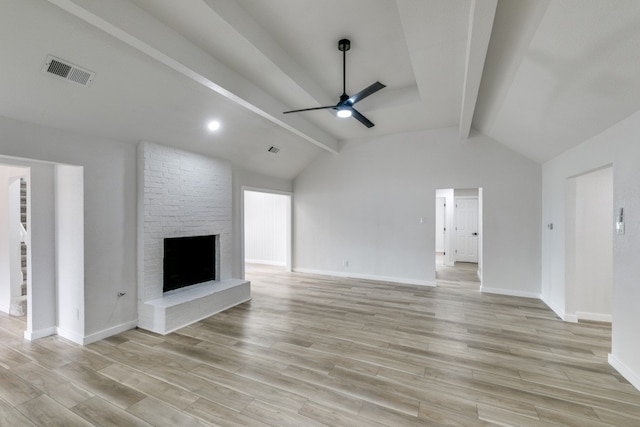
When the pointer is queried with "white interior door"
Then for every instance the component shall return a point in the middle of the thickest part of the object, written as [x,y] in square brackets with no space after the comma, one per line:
[466,217]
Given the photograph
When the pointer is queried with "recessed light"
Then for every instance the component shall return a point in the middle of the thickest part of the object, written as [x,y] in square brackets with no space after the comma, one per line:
[213,125]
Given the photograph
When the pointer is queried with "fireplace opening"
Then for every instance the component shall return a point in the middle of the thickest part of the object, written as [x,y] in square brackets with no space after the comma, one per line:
[188,261]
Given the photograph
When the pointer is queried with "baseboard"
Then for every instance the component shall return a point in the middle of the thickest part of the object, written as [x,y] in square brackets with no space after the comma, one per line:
[509,292]
[40,333]
[260,261]
[71,336]
[594,317]
[400,280]
[560,313]
[625,371]
[579,315]
[105,333]
[571,318]
[78,338]
[5,308]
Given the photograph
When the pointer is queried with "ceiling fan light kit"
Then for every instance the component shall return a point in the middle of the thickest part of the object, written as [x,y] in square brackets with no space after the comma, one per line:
[344,107]
[344,113]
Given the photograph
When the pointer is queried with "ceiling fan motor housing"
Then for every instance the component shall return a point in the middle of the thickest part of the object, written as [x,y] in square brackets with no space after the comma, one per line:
[344,45]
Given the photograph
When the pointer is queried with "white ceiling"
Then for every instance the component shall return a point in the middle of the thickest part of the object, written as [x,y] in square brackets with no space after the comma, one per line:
[537,76]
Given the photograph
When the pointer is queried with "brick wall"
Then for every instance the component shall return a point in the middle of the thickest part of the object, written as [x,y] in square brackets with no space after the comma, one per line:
[180,194]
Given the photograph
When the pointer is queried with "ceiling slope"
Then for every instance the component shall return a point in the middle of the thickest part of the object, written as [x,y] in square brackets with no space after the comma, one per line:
[574,72]
[132,26]
[538,76]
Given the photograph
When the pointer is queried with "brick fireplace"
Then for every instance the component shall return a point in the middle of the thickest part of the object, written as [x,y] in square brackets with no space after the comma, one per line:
[182,194]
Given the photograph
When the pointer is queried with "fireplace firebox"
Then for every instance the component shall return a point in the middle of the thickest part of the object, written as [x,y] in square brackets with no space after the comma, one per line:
[188,261]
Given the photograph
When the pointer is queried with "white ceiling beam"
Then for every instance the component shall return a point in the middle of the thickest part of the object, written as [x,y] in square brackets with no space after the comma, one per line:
[247,28]
[136,28]
[481,19]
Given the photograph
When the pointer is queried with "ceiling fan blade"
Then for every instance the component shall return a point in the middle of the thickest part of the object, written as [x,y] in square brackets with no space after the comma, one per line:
[309,109]
[362,119]
[365,92]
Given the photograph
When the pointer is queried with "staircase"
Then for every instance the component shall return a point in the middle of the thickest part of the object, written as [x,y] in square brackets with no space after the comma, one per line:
[23,245]
[19,303]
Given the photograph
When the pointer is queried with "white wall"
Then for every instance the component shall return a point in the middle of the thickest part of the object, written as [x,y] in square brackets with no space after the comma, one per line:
[619,146]
[265,227]
[109,220]
[365,204]
[41,293]
[69,249]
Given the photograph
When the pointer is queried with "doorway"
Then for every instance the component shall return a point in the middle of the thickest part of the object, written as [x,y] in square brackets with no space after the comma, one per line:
[14,257]
[266,228]
[50,200]
[458,237]
[589,246]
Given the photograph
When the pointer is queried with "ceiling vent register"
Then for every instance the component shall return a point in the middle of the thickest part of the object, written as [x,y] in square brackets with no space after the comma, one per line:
[68,71]
[273,149]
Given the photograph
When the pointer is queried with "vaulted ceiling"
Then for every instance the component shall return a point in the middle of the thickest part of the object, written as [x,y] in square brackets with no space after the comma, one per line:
[537,76]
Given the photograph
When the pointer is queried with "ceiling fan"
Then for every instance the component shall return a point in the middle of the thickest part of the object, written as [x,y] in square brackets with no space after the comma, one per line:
[345,105]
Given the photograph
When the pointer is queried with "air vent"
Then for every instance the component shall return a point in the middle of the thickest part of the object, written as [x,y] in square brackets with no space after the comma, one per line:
[68,71]
[273,149]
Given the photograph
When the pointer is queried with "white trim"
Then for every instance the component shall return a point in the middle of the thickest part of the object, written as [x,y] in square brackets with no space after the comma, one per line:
[571,318]
[625,371]
[509,292]
[71,336]
[265,190]
[401,280]
[265,262]
[6,308]
[105,333]
[560,313]
[40,333]
[594,317]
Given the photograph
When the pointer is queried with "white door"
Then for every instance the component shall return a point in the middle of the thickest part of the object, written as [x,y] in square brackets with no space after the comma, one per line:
[466,218]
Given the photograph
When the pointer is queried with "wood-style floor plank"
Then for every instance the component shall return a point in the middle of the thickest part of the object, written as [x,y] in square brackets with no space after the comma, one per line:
[315,350]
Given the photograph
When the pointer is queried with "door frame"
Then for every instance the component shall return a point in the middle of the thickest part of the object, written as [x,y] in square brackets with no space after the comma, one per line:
[449,195]
[289,221]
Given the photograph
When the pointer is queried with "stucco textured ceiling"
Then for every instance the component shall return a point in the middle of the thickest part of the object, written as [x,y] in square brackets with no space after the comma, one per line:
[549,75]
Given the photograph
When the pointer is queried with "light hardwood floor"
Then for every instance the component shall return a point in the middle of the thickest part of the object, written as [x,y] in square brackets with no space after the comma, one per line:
[312,350]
